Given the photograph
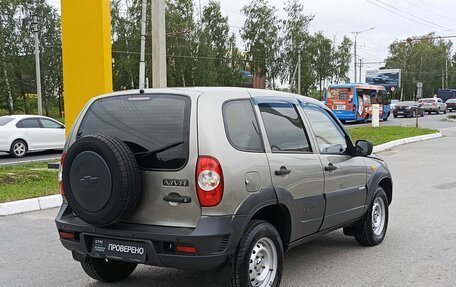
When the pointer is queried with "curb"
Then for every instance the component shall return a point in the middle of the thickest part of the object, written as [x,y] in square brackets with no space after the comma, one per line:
[45,202]
[33,204]
[382,147]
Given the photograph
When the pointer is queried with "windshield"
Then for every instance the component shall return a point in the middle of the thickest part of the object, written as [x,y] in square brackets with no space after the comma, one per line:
[5,120]
[155,128]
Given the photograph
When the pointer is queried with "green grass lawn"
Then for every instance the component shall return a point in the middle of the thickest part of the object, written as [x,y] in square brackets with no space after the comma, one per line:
[386,134]
[24,181]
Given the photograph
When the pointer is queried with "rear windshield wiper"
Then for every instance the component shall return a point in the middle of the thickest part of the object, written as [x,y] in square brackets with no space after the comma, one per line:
[159,150]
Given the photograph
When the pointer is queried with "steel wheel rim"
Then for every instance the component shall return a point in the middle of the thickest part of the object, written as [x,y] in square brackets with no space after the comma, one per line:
[378,216]
[19,149]
[263,263]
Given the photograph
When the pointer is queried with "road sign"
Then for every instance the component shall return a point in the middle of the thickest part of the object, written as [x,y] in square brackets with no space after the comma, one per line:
[419,85]
[419,92]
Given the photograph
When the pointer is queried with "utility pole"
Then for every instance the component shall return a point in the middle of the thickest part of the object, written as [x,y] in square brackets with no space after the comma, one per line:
[360,68]
[443,79]
[142,61]
[158,44]
[37,64]
[446,73]
[299,72]
[355,44]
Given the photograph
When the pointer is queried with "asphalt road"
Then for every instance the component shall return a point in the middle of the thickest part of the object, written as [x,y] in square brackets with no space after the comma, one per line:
[419,249]
[6,159]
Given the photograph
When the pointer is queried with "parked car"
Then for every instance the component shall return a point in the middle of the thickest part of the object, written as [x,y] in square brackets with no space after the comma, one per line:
[435,105]
[451,105]
[408,109]
[393,103]
[213,179]
[20,134]
[381,78]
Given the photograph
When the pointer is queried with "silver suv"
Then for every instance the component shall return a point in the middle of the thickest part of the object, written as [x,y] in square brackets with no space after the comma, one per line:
[226,179]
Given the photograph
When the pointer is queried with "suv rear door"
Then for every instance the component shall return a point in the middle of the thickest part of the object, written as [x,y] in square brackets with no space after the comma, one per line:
[345,175]
[296,171]
[157,128]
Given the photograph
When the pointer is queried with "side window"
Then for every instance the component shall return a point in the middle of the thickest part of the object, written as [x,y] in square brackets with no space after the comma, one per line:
[241,126]
[330,137]
[29,124]
[48,124]
[284,128]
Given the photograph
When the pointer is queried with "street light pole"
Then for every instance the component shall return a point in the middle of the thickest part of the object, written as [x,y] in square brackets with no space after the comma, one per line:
[142,62]
[37,64]
[355,47]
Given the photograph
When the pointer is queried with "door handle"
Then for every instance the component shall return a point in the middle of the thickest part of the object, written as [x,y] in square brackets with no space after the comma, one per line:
[177,198]
[330,167]
[283,171]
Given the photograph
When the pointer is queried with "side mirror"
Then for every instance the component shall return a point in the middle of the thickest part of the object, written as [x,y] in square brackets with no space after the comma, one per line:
[363,148]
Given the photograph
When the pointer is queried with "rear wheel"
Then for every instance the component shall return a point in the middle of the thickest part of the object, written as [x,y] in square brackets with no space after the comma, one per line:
[438,111]
[445,111]
[105,270]
[259,257]
[375,222]
[18,148]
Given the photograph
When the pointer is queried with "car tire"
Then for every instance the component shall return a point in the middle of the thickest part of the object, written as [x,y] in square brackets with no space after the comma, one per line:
[429,112]
[444,111]
[422,114]
[394,115]
[438,111]
[259,257]
[106,270]
[375,222]
[414,114]
[18,149]
[101,179]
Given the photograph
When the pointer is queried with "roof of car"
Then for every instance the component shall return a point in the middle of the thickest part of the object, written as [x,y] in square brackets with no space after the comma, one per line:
[197,91]
[26,116]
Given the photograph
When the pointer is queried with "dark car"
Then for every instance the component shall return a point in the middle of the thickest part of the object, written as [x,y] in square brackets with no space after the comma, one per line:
[408,109]
[381,78]
[451,105]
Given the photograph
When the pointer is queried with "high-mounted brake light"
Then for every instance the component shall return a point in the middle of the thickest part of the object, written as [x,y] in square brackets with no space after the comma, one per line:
[209,179]
[62,191]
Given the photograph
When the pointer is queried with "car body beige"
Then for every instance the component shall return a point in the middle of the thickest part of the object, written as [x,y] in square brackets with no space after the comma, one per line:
[224,179]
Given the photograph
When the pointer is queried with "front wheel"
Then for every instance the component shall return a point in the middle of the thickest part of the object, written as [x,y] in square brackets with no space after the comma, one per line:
[375,222]
[105,270]
[259,257]
[445,111]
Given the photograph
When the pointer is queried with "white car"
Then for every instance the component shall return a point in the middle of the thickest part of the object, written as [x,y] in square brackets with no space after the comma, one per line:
[23,133]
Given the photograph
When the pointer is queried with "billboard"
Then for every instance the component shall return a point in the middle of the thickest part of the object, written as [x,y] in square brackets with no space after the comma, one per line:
[389,78]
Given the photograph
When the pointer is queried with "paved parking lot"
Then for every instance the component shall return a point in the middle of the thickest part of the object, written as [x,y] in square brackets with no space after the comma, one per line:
[419,248]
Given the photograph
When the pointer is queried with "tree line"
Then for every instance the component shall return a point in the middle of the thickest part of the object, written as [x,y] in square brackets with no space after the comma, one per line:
[203,50]
[427,59]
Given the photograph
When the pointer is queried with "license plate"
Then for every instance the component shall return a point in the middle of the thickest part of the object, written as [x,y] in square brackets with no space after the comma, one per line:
[340,107]
[119,249]
[400,112]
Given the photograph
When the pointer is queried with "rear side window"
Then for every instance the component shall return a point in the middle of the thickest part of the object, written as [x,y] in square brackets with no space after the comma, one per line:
[284,128]
[5,120]
[156,128]
[48,124]
[28,124]
[241,126]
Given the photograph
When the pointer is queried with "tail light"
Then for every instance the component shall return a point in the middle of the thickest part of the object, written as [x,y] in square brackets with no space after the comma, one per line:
[209,179]
[62,191]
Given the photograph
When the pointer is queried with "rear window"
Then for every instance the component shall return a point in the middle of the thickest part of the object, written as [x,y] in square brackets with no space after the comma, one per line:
[5,120]
[156,128]
[339,94]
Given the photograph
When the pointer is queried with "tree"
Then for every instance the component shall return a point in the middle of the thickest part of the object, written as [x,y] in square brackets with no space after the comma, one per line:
[322,59]
[261,36]
[296,39]
[421,59]
[342,58]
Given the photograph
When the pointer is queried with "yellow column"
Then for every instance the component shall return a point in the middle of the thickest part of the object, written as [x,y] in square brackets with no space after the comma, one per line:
[87,60]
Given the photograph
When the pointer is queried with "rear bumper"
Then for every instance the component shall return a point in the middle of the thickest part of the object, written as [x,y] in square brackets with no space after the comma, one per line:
[214,238]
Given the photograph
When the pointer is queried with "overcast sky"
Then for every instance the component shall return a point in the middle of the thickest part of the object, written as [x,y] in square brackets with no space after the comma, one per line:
[393,20]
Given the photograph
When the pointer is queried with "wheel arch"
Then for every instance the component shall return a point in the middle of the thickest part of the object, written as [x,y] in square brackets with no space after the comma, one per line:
[20,139]
[387,184]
